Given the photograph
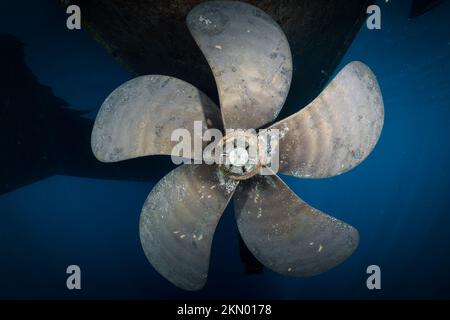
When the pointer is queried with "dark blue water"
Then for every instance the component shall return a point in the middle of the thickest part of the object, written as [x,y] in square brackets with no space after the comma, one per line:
[398,198]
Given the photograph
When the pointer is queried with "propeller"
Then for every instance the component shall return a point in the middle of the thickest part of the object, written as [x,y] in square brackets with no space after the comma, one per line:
[251,62]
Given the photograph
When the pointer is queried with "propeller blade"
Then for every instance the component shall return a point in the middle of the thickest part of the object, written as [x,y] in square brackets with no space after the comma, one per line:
[178,221]
[138,118]
[250,59]
[337,130]
[286,234]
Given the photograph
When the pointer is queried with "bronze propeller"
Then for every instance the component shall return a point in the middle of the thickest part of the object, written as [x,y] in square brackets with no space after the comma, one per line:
[251,61]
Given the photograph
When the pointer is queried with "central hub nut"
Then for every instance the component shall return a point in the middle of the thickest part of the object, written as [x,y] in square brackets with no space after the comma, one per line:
[238,157]
[239,154]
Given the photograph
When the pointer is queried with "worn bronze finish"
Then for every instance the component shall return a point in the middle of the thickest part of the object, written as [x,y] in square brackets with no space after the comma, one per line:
[178,222]
[336,131]
[285,233]
[138,118]
[151,37]
[250,59]
[331,135]
[233,141]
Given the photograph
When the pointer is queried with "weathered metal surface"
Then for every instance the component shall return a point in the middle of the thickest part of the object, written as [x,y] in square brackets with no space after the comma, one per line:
[178,222]
[336,131]
[331,135]
[151,37]
[239,150]
[138,118]
[286,234]
[250,59]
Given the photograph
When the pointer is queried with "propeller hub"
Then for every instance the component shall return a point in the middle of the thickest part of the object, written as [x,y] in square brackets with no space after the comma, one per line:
[239,150]
[238,157]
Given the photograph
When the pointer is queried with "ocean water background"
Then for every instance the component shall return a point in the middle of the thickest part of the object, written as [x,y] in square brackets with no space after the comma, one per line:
[398,198]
